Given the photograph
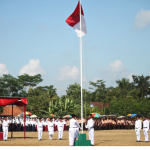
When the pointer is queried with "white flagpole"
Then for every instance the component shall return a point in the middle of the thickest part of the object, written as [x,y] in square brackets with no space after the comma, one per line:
[81,72]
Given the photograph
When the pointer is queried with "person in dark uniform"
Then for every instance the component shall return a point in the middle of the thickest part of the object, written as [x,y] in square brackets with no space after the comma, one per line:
[33,125]
[14,125]
[17,124]
[29,125]
[9,121]
[0,125]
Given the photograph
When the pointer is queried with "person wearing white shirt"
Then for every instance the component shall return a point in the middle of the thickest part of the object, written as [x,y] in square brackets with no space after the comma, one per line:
[146,128]
[9,121]
[73,130]
[26,123]
[33,125]
[50,128]
[40,129]
[17,124]
[5,129]
[22,125]
[60,127]
[138,128]
[90,126]
[13,122]
[29,125]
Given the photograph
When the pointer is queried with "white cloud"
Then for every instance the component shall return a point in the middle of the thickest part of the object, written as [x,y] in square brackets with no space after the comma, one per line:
[32,68]
[142,19]
[61,91]
[3,69]
[68,73]
[115,71]
[95,79]
[130,76]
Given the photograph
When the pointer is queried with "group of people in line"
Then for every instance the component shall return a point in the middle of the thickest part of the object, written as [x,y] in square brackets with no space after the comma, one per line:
[105,123]
[51,125]
[73,125]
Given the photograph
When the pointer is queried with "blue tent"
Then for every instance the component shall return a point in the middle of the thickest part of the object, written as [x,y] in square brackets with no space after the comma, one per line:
[134,115]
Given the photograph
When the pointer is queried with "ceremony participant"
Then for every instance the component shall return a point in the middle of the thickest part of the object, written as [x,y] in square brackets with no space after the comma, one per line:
[50,128]
[33,124]
[77,129]
[22,125]
[46,124]
[64,121]
[73,130]
[138,128]
[146,128]
[13,122]
[26,123]
[9,121]
[5,129]
[17,124]
[29,125]
[90,126]
[67,125]
[60,127]
[40,129]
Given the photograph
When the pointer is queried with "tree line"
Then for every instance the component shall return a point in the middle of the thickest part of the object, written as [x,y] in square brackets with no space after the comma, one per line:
[127,97]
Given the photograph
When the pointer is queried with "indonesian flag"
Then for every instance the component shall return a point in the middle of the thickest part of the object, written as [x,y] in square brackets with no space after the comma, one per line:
[74,21]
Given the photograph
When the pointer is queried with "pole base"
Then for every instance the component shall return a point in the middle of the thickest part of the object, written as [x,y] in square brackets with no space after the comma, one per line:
[82,141]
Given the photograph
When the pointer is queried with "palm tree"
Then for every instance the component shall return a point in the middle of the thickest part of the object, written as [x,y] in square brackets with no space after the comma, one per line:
[142,84]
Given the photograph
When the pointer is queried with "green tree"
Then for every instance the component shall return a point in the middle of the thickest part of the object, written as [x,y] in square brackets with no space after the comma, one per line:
[142,84]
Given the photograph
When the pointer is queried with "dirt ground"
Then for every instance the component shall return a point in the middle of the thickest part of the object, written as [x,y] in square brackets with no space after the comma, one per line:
[101,138]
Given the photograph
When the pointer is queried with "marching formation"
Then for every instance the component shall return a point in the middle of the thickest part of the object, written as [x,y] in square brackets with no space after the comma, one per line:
[73,125]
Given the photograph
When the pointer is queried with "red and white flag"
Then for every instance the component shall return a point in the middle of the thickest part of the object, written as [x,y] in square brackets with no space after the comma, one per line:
[74,21]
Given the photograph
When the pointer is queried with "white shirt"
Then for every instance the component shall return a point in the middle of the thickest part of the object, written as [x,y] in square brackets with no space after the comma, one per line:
[50,124]
[60,124]
[146,124]
[13,121]
[40,125]
[90,124]
[17,121]
[5,123]
[73,123]
[138,124]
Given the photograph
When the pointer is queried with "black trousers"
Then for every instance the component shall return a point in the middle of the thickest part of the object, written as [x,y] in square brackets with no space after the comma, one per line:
[9,129]
[33,127]
[26,128]
[29,129]
[14,127]
[18,127]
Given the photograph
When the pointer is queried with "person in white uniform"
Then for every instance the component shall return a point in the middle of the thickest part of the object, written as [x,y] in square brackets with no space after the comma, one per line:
[50,128]
[138,128]
[146,128]
[40,129]
[5,129]
[90,126]
[73,130]
[60,127]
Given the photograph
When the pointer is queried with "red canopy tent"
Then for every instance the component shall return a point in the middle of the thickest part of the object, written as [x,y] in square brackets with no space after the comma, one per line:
[17,101]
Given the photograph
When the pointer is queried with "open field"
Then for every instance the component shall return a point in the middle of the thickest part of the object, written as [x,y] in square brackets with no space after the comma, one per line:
[102,138]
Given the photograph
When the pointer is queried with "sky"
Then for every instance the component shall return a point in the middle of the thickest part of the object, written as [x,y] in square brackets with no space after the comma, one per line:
[35,39]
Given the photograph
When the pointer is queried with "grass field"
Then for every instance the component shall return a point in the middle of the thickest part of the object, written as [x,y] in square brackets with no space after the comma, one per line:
[101,138]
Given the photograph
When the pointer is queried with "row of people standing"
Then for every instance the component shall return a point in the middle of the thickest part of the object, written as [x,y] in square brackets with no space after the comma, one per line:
[17,124]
